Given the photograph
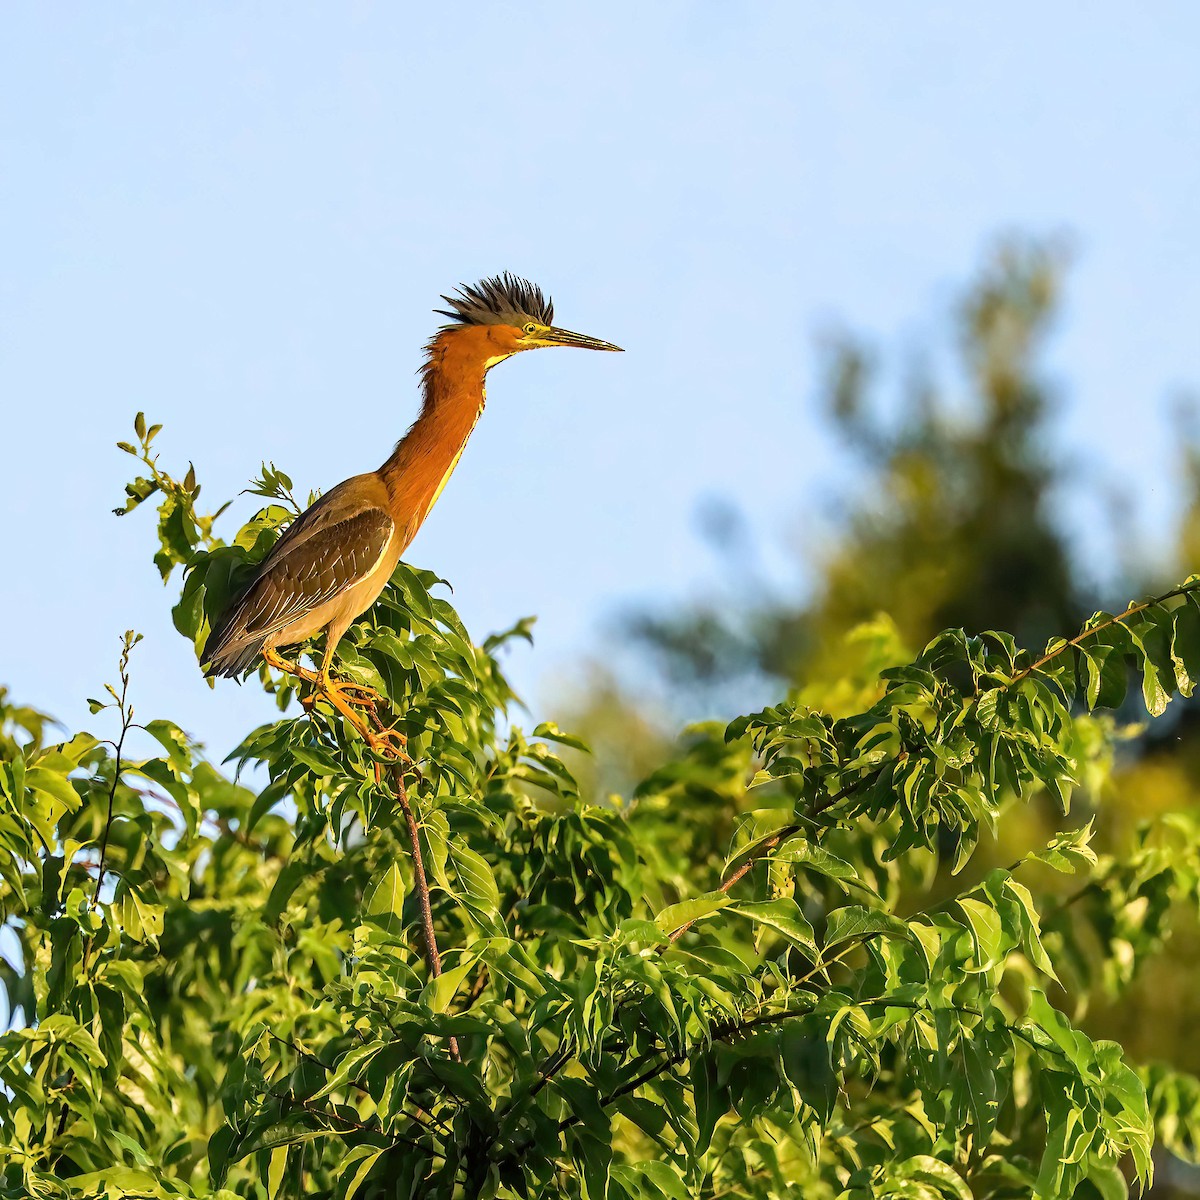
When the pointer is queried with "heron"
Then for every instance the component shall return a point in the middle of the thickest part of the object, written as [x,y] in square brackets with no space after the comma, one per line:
[333,561]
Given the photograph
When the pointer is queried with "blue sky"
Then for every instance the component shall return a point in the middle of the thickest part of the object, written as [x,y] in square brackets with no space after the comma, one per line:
[238,218]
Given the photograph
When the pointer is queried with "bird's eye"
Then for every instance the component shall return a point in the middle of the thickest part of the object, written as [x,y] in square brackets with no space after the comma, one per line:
[531,329]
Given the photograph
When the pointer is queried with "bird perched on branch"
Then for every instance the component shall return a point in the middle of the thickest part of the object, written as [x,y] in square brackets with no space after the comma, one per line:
[332,562]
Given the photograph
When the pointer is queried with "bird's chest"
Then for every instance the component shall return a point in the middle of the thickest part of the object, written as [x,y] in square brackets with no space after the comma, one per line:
[367,590]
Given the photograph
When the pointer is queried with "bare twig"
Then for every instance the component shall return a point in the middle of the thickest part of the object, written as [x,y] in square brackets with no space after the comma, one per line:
[432,957]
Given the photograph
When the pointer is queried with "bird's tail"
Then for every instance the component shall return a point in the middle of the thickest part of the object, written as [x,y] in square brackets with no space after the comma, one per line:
[232,661]
[230,650]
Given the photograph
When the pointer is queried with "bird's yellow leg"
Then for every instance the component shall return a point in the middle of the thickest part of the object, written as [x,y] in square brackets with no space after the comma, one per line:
[273,659]
[351,693]
[322,686]
[346,696]
[323,683]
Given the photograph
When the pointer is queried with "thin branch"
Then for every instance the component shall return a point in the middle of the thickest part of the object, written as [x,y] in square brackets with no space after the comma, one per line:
[649,1073]
[728,1030]
[828,802]
[760,852]
[130,640]
[1131,611]
[418,1116]
[730,1027]
[395,1140]
[427,929]
[764,848]
[432,957]
[225,827]
[562,1056]
[126,724]
[558,1060]
[476,988]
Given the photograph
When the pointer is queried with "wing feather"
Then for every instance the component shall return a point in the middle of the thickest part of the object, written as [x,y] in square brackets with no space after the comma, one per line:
[329,549]
[296,580]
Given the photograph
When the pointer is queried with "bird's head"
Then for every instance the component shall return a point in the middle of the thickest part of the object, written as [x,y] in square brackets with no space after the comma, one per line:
[516,315]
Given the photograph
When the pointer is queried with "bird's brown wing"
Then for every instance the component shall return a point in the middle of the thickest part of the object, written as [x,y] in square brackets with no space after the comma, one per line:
[298,577]
[327,550]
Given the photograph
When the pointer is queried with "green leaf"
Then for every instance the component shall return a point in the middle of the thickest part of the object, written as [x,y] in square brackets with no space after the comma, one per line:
[922,1168]
[278,1163]
[686,911]
[140,919]
[53,784]
[1074,1045]
[856,923]
[475,878]
[1185,647]
[1068,852]
[986,931]
[551,733]
[980,1085]
[385,899]
[783,916]
[440,991]
[354,1169]
[815,858]
[174,741]
[288,879]
[1031,938]
[1156,696]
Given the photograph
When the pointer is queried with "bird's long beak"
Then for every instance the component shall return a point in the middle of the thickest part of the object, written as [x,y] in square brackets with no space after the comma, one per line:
[564,337]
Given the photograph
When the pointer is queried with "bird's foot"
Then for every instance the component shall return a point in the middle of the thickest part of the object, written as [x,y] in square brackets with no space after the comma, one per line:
[390,743]
[358,694]
[357,704]
[273,659]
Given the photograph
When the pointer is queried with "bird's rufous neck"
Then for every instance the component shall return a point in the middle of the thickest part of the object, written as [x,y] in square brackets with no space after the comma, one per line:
[454,398]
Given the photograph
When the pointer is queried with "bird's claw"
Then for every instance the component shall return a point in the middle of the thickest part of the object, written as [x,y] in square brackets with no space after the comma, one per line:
[358,694]
[392,740]
[392,744]
[385,741]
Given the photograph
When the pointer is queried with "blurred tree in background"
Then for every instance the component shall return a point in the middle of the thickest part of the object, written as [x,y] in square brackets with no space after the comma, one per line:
[950,523]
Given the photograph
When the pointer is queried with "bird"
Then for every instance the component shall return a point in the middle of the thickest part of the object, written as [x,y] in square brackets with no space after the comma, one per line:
[332,562]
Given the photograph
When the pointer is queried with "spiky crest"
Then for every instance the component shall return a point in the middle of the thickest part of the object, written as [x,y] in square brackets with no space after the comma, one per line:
[501,300]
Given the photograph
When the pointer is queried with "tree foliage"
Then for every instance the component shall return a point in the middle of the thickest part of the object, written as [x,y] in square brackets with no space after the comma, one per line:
[783,967]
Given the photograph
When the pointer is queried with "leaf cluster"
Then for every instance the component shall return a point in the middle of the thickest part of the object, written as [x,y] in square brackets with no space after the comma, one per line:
[737,982]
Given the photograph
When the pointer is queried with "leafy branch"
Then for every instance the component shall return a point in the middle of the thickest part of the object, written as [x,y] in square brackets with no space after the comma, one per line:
[396,769]
[1091,630]
[125,712]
